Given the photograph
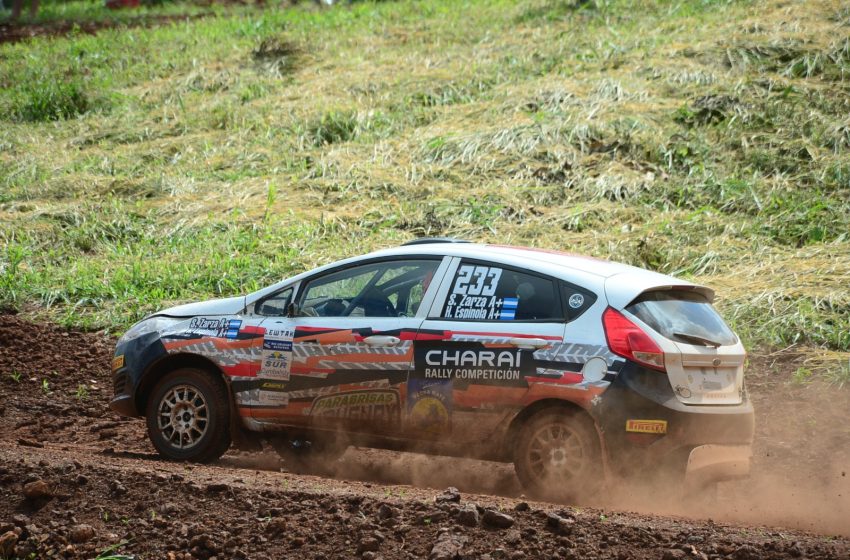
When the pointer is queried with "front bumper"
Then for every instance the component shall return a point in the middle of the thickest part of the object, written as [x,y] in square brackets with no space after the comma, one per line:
[699,443]
[135,357]
[123,405]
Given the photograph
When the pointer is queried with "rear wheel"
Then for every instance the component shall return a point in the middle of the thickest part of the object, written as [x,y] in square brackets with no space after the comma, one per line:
[188,416]
[557,456]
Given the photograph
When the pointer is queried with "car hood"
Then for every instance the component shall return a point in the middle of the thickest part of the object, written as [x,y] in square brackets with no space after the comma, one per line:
[223,306]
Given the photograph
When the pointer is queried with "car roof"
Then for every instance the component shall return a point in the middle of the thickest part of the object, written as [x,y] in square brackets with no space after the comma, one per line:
[507,253]
[621,283]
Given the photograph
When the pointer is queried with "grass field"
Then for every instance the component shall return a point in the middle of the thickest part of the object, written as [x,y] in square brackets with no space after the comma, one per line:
[706,139]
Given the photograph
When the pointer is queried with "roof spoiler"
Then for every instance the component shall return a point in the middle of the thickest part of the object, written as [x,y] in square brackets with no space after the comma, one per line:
[621,289]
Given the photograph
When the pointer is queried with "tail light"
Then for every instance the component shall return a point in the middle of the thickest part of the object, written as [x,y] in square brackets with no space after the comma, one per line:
[628,340]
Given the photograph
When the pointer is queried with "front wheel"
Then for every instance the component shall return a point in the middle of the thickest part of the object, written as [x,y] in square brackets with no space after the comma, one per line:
[188,417]
[557,456]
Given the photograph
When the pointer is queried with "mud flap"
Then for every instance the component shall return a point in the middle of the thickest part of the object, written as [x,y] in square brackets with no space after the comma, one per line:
[241,438]
[708,464]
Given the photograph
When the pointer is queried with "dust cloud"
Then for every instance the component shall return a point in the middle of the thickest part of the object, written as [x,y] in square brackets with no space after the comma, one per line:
[819,503]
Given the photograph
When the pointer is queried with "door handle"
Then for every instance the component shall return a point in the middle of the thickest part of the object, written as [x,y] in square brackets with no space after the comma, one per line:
[380,340]
[527,343]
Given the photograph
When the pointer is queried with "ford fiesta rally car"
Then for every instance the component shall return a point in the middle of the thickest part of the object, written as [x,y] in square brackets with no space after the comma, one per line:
[574,368]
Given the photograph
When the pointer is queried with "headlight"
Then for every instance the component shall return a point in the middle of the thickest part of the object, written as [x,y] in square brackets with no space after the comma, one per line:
[153,324]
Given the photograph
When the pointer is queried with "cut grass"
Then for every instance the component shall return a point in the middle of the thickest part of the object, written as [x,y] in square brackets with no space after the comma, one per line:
[707,139]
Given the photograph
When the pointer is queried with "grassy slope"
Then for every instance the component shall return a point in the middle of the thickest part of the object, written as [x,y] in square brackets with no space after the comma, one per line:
[95,11]
[708,139]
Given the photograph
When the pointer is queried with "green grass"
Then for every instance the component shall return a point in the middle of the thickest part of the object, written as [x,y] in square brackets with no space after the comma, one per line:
[49,101]
[141,167]
[94,11]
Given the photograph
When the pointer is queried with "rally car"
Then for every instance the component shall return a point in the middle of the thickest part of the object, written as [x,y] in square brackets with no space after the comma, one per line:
[576,369]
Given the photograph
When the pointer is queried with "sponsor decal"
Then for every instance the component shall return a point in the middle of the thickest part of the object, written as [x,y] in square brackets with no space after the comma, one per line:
[276,365]
[379,406]
[429,404]
[466,363]
[117,362]
[719,395]
[273,398]
[221,328]
[271,393]
[646,426]
[277,354]
[472,359]
[272,386]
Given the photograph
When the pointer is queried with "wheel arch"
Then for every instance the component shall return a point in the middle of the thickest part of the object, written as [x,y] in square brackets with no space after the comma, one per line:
[574,488]
[239,432]
[539,406]
[169,363]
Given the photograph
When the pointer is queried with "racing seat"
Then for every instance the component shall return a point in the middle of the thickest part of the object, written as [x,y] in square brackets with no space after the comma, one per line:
[530,307]
[376,304]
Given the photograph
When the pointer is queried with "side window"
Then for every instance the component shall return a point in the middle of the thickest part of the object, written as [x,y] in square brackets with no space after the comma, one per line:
[576,300]
[384,289]
[276,304]
[481,292]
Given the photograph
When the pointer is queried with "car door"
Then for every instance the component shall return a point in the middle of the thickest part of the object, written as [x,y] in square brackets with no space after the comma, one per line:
[342,361]
[476,352]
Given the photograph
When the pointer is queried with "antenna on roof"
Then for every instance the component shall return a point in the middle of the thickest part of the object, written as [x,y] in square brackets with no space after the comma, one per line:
[434,240]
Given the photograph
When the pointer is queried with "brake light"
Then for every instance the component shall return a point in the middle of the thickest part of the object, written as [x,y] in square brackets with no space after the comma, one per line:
[627,340]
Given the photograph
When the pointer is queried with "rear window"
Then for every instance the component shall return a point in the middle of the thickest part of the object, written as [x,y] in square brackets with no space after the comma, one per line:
[682,316]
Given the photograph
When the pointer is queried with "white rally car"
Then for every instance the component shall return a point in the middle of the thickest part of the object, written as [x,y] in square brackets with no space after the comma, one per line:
[574,368]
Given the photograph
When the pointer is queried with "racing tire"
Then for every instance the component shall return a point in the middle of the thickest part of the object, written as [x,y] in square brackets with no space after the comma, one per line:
[557,456]
[317,455]
[188,416]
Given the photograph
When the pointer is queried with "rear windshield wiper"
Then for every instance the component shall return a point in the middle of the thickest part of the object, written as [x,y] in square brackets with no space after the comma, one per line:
[698,339]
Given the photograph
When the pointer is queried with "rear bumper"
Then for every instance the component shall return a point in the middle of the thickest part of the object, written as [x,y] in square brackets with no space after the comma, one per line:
[697,443]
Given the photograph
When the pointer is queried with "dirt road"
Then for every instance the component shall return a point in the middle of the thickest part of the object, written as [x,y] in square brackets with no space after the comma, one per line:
[76,480]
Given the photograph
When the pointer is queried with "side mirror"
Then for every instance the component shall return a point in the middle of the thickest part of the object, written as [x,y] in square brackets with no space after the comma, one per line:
[292,309]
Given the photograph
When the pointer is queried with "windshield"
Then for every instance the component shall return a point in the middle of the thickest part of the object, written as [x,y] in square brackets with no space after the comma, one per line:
[682,316]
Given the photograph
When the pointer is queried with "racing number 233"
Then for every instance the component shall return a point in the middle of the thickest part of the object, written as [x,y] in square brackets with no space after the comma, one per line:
[477,280]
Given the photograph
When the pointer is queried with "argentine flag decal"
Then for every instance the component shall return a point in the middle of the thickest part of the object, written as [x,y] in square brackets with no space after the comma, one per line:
[233,328]
[509,306]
